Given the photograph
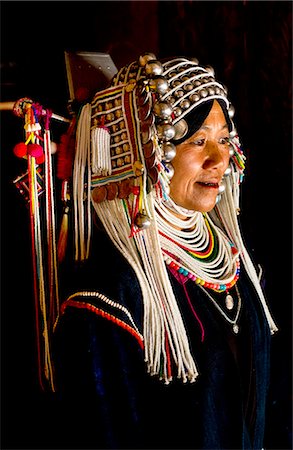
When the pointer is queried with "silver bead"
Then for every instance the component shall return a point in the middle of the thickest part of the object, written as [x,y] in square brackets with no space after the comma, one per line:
[185,104]
[194,98]
[231,111]
[203,93]
[232,133]
[211,91]
[169,151]
[177,111]
[165,131]
[221,188]
[231,151]
[154,67]
[179,93]
[143,59]
[227,171]
[159,84]
[181,129]
[188,87]
[163,110]
[142,221]
[169,170]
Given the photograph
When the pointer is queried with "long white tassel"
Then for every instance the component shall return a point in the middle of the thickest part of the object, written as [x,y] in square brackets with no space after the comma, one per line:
[162,318]
[82,178]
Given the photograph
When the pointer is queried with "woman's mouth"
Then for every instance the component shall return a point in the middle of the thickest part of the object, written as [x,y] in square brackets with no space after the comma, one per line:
[208,184]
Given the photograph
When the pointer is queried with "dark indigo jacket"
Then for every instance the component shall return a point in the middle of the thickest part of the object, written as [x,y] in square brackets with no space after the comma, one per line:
[106,398]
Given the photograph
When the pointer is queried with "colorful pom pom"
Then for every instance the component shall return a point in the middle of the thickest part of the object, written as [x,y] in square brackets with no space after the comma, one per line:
[35,150]
[40,159]
[20,150]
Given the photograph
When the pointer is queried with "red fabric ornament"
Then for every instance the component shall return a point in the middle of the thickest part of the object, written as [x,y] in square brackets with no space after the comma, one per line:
[40,159]
[35,150]
[20,150]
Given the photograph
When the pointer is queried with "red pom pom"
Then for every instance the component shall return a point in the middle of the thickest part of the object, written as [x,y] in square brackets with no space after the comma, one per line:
[35,150]
[20,150]
[40,159]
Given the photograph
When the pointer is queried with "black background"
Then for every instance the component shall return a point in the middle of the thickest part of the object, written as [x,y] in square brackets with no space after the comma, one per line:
[249,43]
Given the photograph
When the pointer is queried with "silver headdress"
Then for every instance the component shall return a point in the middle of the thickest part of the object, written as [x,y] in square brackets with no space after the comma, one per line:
[124,158]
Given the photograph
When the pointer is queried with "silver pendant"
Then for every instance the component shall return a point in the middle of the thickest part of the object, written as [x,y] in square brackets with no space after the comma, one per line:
[235,328]
[229,302]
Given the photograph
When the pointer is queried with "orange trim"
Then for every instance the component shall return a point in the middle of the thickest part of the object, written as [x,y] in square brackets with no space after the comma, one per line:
[102,313]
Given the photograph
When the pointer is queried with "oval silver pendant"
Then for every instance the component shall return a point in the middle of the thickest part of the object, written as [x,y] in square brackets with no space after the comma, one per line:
[235,328]
[229,302]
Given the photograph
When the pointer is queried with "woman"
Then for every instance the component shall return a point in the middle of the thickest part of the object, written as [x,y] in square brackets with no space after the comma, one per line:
[163,337]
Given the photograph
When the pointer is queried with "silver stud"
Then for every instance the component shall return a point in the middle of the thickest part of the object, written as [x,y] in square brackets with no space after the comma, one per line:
[159,84]
[163,110]
[231,111]
[142,221]
[165,131]
[221,188]
[231,151]
[185,104]
[169,151]
[154,67]
[203,93]
[227,171]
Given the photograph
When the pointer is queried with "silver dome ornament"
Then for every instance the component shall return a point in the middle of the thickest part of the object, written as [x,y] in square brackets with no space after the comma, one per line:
[203,93]
[221,189]
[218,198]
[177,111]
[154,67]
[159,85]
[231,111]
[181,129]
[163,110]
[142,221]
[143,59]
[165,131]
[185,104]
[232,133]
[169,170]
[169,151]
[231,151]
[227,171]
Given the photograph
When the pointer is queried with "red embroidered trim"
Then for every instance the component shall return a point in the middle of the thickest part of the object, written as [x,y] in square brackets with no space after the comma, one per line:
[100,312]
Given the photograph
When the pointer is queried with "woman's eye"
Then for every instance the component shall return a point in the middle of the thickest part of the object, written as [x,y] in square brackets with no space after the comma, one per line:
[225,140]
[199,142]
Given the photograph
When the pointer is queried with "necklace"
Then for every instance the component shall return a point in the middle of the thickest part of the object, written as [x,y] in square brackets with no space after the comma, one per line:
[197,249]
[229,302]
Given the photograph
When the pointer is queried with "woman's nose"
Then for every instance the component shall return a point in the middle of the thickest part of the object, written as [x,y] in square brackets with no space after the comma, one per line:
[213,157]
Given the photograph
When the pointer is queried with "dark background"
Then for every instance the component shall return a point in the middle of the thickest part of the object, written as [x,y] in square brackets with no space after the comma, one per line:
[249,43]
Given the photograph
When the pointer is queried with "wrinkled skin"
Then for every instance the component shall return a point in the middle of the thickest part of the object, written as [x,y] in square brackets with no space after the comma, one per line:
[200,163]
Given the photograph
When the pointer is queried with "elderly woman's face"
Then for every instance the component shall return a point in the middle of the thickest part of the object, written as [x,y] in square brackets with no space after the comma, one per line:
[200,163]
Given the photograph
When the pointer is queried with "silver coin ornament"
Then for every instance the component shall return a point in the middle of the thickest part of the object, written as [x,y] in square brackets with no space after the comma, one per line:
[169,151]
[229,302]
[142,221]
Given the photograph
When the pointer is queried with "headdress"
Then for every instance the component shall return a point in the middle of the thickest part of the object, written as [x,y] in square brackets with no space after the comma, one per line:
[124,158]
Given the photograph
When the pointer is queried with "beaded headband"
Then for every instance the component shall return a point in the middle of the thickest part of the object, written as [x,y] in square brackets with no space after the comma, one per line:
[134,121]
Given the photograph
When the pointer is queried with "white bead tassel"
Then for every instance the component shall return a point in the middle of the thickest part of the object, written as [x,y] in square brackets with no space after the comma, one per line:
[101,156]
[82,177]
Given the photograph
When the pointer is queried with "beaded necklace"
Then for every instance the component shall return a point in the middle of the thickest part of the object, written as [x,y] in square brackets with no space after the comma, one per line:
[197,249]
